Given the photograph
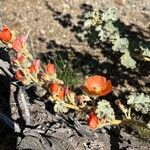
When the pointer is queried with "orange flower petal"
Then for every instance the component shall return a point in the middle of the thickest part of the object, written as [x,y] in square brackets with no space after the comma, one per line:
[19,75]
[93,121]
[32,69]
[19,58]
[50,69]
[35,66]
[97,85]
[106,89]
[95,81]
[57,90]
[19,43]
[5,34]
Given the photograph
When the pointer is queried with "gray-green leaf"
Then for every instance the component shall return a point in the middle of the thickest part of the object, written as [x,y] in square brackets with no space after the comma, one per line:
[127,61]
[140,102]
[110,13]
[121,44]
[60,107]
[104,110]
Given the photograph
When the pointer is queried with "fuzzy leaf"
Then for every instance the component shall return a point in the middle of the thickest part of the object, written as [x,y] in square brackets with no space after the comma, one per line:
[110,27]
[146,53]
[98,28]
[106,32]
[70,98]
[110,13]
[60,107]
[127,61]
[88,23]
[104,35]
[121,44]
[146,50]
[105,28]
[104,110]
[82,35]
[87,15]
[140,102]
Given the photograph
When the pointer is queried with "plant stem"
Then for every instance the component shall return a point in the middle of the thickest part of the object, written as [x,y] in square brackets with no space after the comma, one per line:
[124,122]
[72,106]
[67,105]
[27,73]
[134,122]
[109,123]
[129,113]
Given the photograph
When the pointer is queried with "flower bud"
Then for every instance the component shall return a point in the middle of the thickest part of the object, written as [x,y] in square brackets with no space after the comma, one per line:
[50,69]
[19,75]
[5,34]
[35,67]
[93,121]
[19,43]
[19,58]
[57,90]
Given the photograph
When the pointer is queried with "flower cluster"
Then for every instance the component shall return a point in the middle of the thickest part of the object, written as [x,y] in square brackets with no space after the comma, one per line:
[29,70]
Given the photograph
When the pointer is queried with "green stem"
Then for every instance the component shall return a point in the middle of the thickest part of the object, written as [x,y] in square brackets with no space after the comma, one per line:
[67,105]
[134,122]
[124,122]
[72,107]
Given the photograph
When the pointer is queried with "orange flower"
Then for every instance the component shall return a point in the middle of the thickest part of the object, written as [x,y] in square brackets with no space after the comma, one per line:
[5,34]
[50,69]
[97,86]
[50,72]
[19,58]
[57,90]
[93,121]
[19,43]
[19,75]
[35,66]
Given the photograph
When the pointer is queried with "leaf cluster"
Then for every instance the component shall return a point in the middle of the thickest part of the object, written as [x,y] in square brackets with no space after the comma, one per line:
[139,102]
[104,27]
[60,107]
[104,110]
